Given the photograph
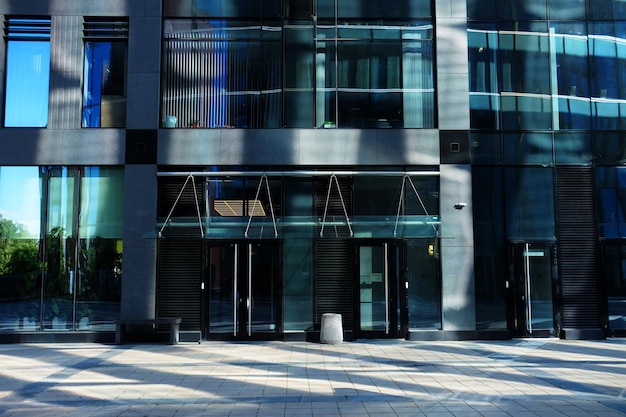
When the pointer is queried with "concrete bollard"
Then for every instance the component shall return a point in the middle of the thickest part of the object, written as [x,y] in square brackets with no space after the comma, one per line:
[332,329]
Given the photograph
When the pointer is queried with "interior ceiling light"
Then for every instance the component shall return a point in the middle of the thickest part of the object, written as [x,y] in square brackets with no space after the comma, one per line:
[234,208]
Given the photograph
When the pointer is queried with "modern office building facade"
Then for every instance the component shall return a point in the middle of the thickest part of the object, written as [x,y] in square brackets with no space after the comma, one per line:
[431,170]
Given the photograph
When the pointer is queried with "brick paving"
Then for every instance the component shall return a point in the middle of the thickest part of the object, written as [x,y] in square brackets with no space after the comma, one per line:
[524,377]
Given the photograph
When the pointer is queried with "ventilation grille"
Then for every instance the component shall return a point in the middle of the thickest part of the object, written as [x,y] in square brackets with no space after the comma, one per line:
[27,29]
[577,248]
[179,280]
[105,29]
[333,275]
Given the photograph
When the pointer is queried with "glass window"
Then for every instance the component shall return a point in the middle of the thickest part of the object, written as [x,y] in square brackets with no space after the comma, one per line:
[220,73]
[424,278]
[609,148]
[525,76]
[483,75]
[106,57]
[529,197]
[373,9]
[27,72]
[569,43]
[299,74]
[486,148]
[366,75]
[20,264]
[607,9]
[76,265]
[614,261]
[222,8]
[572,148]
[523,10]
[611,201]
[607,52]
[528,148]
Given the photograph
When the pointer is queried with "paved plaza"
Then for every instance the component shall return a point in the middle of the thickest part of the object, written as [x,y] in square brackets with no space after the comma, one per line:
[529,377]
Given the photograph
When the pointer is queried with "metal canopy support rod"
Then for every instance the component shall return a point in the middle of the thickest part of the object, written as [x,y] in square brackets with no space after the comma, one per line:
[256,199]
[195,195]
[404,179]
[343,204]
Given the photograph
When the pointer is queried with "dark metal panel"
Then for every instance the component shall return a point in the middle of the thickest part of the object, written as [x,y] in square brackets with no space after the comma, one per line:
[577,248]
[179,280]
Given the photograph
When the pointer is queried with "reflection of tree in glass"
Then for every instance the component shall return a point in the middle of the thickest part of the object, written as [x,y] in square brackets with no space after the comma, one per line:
[19,268]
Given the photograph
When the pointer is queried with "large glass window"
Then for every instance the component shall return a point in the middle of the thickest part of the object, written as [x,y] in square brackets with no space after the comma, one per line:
[374,75]
[561,76]
[20,262]
[222,73]
[60,247]
[106,56]
[27,72]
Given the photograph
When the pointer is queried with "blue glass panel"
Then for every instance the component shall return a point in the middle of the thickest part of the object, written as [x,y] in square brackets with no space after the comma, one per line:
[27,84]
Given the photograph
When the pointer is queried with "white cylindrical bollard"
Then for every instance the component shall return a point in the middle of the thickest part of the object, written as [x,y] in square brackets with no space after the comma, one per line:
[332,329]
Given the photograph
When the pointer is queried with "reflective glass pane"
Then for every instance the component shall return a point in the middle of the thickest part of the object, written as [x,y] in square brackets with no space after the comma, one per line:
[20,264]
[486,148]
[102,203]
[104,97]
[27,84]
[609,148]
[483,76]
[567,9]
[614,261]
[529,196]
[528,148]
[236,73]
[607,9]
[611,201]
[569,44]
[424,284]
[572,148]
[525,77]
[523,9]
[299,75]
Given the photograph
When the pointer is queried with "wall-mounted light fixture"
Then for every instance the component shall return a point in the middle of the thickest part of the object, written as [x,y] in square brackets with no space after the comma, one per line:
[459,206]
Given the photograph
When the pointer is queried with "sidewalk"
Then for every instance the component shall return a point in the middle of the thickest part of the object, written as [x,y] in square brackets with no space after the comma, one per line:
[538,377]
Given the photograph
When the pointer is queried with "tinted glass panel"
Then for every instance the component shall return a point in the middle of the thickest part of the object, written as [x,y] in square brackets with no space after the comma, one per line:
[611,202]
[529,194]
[572,148]
[614,261]
[528,148]
[609,148]
[105,84]
[222,8]
[424,284]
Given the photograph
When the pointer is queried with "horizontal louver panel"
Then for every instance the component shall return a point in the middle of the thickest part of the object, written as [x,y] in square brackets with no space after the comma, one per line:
[577,248]
[333,279]
[180,273]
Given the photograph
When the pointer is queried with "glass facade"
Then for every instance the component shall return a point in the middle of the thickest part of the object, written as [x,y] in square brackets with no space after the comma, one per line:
[27,72]
[60,247]
[239,65]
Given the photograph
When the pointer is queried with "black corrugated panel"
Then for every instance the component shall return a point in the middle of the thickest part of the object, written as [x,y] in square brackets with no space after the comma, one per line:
[333,280]
[179,279]
[577,248]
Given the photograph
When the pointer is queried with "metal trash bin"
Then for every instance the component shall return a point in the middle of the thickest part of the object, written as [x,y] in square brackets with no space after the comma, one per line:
[331,331]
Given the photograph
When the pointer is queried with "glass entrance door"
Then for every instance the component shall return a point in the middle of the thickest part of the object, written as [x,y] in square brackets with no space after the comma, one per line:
[381,291]
[531,288]
[243,281]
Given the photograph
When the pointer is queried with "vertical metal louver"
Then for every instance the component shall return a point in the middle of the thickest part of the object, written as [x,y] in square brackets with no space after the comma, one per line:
[105,28]
[577,249]
[179,281]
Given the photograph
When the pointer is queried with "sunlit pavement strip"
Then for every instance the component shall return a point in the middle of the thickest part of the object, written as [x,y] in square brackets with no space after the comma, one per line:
[538,377]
